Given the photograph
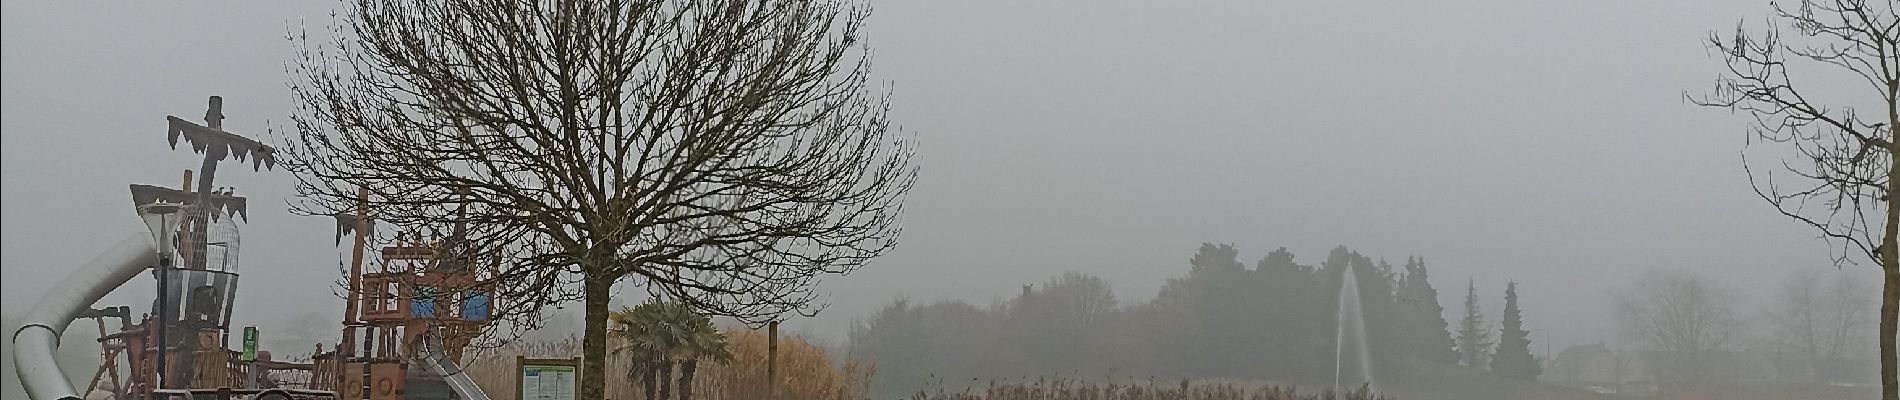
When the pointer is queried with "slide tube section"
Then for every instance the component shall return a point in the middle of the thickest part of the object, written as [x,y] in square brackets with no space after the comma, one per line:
[37,339]
[430,350]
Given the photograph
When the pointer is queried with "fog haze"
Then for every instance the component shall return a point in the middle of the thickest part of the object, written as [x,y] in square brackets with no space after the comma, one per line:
[1546,143]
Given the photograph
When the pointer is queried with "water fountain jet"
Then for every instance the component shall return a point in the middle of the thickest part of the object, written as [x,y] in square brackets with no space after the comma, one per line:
[1351,335]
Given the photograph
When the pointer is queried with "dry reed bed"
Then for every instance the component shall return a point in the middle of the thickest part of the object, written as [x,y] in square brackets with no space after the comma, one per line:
[1063,389]
[805,371]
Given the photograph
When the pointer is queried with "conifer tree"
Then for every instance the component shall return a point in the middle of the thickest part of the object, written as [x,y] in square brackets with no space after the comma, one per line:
[1513,358]
[1474,338]
[1425,318]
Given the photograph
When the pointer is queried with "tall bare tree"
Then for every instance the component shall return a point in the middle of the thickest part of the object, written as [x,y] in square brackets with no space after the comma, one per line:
[1824,318]
[1841,178]
[1685,317]
[723,153]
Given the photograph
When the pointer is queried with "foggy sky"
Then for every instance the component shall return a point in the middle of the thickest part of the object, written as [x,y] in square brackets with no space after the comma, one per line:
[1543,142]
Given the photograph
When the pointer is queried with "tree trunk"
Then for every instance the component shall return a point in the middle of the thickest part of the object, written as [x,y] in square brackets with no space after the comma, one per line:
[687,368]
[650,379]
[594,339]
[666,379]
[1889,305]
[1890,259]
[1890,268]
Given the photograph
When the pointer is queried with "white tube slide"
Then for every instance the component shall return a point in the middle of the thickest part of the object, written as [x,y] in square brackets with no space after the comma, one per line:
[431,355]
[37,339]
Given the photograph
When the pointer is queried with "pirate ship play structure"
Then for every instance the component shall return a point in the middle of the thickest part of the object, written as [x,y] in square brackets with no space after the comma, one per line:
[408,312]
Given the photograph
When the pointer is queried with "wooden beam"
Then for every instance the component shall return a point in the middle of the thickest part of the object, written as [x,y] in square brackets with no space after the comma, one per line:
[356,271]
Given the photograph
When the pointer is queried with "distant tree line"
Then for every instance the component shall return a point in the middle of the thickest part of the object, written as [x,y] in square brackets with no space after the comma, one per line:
[1686,326]
[1274,321]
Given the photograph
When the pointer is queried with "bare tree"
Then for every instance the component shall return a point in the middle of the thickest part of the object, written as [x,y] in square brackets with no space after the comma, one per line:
[722,153]
[1823,318]
[1086,300]
[1843,170]
[1684,317]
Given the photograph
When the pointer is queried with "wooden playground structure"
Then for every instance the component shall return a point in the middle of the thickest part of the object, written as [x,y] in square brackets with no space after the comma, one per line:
[409,311]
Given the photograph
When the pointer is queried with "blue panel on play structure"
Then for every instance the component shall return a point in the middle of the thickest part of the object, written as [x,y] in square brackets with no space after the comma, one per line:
[475,305]
[423,304]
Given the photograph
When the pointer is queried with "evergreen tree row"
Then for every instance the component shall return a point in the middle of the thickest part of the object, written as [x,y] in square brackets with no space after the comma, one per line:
[1511,358]
[1272,321]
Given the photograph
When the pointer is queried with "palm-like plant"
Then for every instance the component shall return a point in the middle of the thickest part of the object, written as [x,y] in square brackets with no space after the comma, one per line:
[641,339]
[659,333]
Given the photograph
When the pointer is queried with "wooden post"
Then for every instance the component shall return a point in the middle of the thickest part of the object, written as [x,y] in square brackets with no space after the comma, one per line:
[355,289]
[214,119]
[771,361]
[365,359]
[184,238]
[106,354]
[214,113]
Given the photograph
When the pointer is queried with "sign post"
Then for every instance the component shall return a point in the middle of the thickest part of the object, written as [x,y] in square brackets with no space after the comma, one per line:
[250,344]
[546,378]
[250,357]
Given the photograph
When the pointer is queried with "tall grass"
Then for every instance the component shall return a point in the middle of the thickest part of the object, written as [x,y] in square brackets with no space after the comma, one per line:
[1064,389]
[805,371]
[494,369]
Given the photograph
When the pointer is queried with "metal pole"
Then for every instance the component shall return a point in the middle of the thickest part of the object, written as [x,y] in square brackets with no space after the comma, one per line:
[164,265]
[164,307]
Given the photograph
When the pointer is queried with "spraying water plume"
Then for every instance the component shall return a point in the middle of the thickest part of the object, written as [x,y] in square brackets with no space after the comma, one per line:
[1350,341]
